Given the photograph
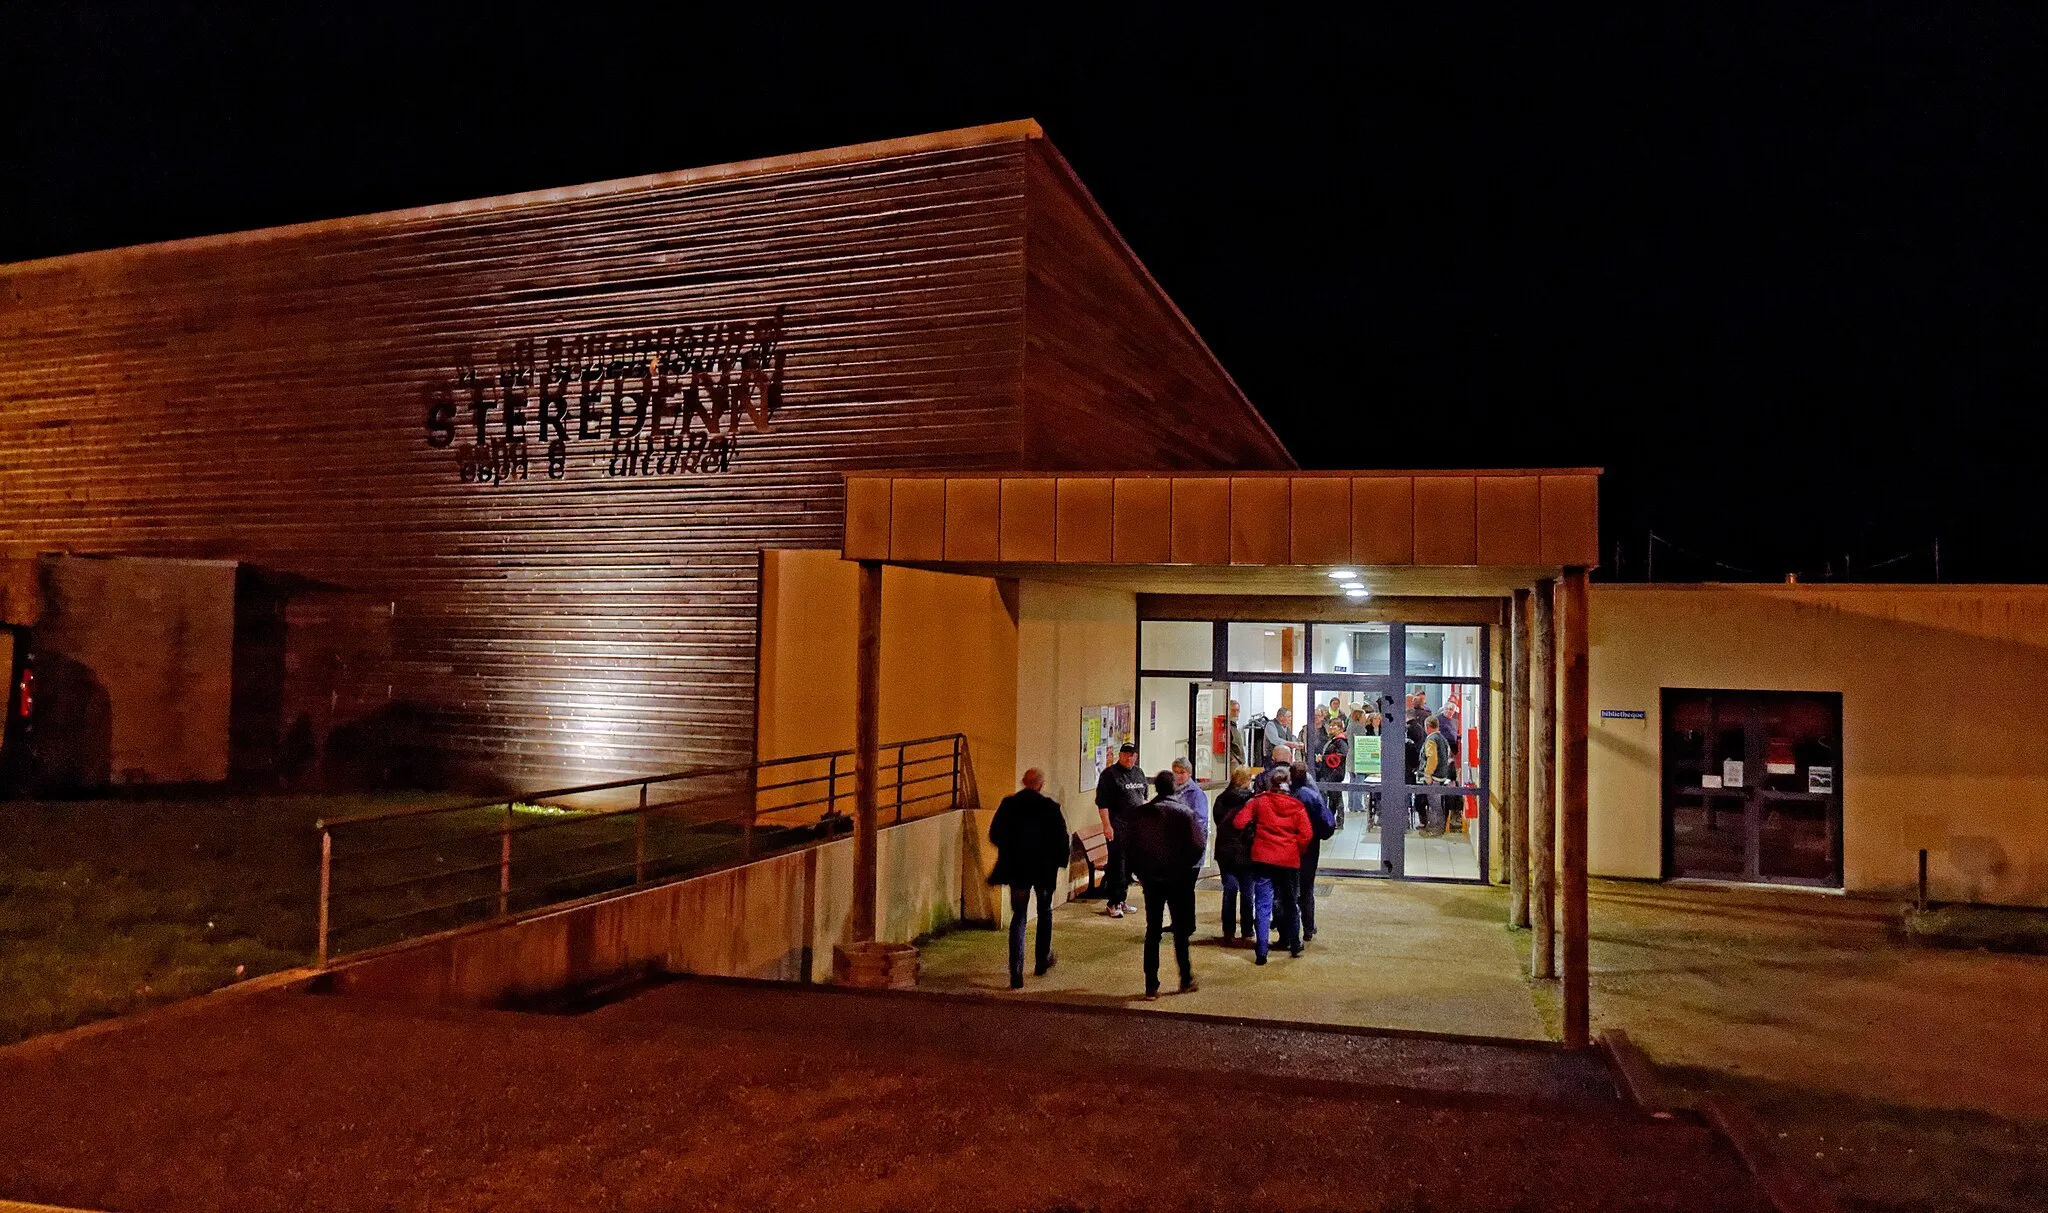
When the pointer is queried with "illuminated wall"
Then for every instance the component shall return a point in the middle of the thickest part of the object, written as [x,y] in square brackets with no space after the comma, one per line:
[1945,741]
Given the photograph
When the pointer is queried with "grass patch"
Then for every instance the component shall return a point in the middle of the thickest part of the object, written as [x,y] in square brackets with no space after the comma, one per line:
[1994,928]
[1880,1157]
[112,906]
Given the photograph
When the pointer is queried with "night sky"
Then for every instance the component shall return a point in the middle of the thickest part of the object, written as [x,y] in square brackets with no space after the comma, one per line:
[1778,271]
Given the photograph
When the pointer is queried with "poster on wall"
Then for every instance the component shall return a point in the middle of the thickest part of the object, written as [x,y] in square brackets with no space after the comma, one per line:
[1104,728]
[1731,773]
[1820,780]
[1365,757]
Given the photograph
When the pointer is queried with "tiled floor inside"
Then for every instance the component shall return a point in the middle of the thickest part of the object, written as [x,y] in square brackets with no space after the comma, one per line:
[1455,856]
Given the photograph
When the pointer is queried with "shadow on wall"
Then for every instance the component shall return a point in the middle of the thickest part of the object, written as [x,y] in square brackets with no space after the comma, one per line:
[73,747]
[381,749]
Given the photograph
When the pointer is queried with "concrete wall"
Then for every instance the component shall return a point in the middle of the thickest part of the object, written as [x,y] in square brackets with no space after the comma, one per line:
[949,659]
[1076,647]
[134,664]
[749,921]
[1945,738]
[949,665]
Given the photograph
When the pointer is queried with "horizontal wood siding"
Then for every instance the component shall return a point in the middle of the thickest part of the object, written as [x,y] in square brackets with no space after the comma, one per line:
[261,398]
[1114,378]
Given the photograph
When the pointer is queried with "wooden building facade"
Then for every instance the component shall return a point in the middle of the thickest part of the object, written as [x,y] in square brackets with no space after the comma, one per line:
[499,474]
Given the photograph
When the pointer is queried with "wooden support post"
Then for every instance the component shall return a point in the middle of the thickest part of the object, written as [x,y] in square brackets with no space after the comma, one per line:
[1543,782]
[1571,802]
[866,749]
[1518,760]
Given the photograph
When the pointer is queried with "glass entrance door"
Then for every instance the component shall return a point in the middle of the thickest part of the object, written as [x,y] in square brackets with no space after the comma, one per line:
[1751,787]
[1212,732]
[1347,756]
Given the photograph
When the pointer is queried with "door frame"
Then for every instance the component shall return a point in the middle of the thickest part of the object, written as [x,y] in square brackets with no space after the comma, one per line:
[1395,681]
[1754,793]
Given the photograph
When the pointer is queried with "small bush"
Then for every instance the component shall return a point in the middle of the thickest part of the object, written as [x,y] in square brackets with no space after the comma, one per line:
[1994,928]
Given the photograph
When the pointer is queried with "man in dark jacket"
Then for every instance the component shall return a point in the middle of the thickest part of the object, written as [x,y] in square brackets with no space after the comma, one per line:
[1324,823]
[1029,833]
[1118,791]
[1167,841]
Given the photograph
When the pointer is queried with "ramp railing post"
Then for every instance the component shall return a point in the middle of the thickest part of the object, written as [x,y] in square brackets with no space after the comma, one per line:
[899,783]
[326,886]
[956,770]
[505,862]
[640,837]
[753,810]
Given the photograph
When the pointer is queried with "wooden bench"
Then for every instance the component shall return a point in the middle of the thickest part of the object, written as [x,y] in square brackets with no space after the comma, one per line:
[1092,848]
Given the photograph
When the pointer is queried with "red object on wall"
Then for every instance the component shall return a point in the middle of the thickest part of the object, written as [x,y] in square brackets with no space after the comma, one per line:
[1219,734]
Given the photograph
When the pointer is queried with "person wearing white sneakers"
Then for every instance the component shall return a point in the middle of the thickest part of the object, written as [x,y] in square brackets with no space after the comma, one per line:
[1121,789]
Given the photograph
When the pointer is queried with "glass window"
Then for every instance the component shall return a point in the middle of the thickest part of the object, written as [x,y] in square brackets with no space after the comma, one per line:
[1267,714]
[1173,645]
[1353,648]
[1453,710]
[1267,648]
[1436,650]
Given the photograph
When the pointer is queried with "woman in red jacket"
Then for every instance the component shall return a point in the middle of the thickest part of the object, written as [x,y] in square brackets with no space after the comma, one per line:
[1280,830]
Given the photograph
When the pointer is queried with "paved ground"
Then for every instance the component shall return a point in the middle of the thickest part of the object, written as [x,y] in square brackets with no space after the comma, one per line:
[1387,954]
[1809,989]
[706,1096]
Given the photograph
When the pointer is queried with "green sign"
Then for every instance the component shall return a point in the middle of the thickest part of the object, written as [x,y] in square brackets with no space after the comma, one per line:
[1365,756]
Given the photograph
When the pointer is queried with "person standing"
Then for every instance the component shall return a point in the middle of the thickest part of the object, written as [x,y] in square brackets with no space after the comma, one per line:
[1167,842]
[1121,789]
[1434,766]
[1188,790]
[1280,729]
[1280,829]
[1280,760]
[1322,825]
[1233,853]
[1029,833]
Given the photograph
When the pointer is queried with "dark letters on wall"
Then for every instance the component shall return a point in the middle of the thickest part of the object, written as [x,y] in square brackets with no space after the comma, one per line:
[659,402]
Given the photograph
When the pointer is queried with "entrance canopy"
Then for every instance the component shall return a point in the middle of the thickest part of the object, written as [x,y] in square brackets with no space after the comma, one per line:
[1207,546]
[1448,534]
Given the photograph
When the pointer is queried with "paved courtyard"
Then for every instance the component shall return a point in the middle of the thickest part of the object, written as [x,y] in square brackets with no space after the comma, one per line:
[1387,954]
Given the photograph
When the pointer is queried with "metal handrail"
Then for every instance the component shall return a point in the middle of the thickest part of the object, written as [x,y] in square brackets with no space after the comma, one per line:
[912,774]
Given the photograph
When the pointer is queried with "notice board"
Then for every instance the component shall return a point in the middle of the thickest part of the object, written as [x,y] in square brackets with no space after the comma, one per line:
[1104,729]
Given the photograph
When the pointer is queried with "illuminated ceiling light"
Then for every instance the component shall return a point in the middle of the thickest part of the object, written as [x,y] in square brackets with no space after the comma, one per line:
[1344,575]
[1272,633]
[1358,593]
[1354,585]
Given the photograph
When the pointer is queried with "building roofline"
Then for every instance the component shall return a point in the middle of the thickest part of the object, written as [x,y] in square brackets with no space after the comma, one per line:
[1831,587]
[965,137]
[1137,266]
[1211,473]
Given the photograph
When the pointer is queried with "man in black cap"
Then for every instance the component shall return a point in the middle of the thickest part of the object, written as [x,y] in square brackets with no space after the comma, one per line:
[1121,789]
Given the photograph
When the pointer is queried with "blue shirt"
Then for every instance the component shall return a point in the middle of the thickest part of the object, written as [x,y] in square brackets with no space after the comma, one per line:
[1318,809]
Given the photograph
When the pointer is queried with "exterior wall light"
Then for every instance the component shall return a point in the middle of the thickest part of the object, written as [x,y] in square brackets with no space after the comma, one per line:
[1358,593]
[1343,575]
